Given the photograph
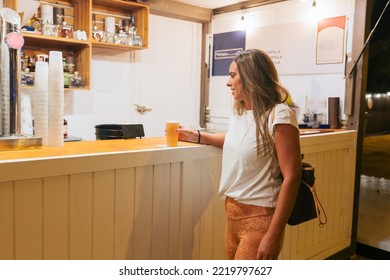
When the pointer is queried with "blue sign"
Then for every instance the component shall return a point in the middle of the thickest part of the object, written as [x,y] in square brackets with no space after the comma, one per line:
[225,47]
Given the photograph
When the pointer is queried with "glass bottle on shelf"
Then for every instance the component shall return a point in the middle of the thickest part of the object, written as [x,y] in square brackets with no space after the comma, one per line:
[70,64]
[23,60]
[23,77]
[31,64]
[134,40]
[58,15]
[97,34]
[133,27]
[65,128]
[125,25]
[67,78]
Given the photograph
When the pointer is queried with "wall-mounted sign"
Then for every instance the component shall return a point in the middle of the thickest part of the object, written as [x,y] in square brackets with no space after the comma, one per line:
[292,47]
[330,40]
[225,47]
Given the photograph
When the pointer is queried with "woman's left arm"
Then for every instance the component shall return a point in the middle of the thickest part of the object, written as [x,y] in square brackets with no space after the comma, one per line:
[289,157]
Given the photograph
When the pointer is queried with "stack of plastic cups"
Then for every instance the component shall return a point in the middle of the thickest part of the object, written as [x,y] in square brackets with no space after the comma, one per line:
[26,115]
[56,99]
[41,101]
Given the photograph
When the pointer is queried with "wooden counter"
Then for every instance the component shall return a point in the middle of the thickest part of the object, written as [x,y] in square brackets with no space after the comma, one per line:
[75,149]
[136,199]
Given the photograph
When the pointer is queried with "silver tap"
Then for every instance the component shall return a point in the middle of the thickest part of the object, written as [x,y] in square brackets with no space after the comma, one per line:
[11,42]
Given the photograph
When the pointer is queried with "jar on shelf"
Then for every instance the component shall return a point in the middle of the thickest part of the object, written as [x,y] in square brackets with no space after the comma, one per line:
[27,78]
[136,41]
[76,80]
[66,30]
[121,38]
[108,37]
[49,29]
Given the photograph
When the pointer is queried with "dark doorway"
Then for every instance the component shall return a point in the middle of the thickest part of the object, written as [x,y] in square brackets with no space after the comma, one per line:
[374,213]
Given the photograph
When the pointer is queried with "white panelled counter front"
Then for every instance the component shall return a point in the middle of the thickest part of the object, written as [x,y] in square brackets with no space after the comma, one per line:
[137,199]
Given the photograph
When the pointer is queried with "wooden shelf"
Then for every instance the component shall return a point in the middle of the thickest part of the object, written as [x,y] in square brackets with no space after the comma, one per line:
[115,46]
[120,9]
[79,13]
[37,40]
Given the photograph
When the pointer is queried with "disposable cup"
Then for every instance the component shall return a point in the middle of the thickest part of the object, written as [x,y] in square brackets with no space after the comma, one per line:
[171,133]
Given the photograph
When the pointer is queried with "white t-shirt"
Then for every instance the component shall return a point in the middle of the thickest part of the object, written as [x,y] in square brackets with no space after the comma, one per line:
[245,177]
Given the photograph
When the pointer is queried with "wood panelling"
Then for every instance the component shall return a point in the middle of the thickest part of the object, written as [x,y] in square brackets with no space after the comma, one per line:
[334,161]
[28,219]
[103,215]
[56,218]
[143,202]
[80,215]
[124,212]
[156,204]
[7,221]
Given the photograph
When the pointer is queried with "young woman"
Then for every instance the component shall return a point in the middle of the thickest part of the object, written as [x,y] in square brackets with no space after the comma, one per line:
[261,162]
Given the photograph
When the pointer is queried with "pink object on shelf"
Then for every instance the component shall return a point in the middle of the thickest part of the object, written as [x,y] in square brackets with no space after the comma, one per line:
[14,40]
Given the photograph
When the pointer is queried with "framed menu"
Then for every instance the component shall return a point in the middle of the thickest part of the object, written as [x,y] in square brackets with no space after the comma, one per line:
[330,40]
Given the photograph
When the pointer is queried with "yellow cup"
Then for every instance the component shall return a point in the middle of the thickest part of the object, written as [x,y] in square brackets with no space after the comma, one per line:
[171,134]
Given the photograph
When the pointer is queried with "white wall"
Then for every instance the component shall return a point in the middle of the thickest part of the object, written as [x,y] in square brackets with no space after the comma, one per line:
[109,100]
[165,77]
[290,25]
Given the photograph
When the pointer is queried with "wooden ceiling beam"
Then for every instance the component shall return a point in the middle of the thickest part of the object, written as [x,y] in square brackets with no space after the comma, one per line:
[179,10]
[244,5]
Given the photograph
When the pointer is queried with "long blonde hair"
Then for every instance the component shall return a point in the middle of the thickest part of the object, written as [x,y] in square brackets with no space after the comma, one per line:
[260,81]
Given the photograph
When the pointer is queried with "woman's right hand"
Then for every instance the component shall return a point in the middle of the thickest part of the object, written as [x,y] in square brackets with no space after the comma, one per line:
[201,137]
[188,135]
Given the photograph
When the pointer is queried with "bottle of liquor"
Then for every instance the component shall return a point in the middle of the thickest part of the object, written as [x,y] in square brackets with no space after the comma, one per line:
[133,27]
[31,64]
[65,128]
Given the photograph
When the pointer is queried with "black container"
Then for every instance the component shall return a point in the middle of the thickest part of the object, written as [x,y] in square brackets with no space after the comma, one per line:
[334,112]
[119,131]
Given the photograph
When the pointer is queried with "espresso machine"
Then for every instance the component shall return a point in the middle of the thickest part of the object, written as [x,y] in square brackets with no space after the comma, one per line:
[10,84]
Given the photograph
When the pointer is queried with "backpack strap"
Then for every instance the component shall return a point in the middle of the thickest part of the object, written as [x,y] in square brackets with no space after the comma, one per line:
[322,220]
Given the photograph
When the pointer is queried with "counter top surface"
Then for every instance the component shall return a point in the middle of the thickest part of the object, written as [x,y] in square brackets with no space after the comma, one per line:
[306,131]
[91,147]
[100,147]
